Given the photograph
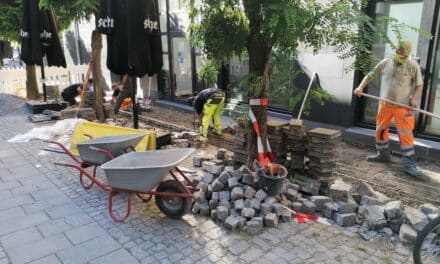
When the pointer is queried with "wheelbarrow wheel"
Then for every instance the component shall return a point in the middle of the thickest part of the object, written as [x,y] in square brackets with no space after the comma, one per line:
[174,207]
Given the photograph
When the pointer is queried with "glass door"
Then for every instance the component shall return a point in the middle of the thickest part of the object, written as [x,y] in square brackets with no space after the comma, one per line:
[433,124]
[182,67]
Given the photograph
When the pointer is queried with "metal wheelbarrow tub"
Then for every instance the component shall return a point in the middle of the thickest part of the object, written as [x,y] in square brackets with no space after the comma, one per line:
[116,145]
[141,171]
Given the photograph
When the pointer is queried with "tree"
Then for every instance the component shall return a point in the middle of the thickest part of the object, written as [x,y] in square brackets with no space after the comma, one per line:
[77,9]
[256,28]
[10,14]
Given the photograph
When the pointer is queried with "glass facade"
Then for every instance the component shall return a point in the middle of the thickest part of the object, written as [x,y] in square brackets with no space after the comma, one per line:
[419,14]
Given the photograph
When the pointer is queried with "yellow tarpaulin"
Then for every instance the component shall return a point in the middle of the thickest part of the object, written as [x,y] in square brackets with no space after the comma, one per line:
[101,130]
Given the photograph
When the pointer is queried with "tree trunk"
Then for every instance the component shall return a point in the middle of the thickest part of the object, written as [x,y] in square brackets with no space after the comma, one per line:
[97,75]
[259,63]
[32,92]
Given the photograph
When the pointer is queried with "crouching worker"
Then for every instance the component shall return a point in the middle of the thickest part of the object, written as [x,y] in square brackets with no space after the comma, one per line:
[209,103]
[70,93]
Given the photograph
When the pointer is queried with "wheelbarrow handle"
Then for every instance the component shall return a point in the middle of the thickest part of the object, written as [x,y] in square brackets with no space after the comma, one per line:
[61,164]
[64,149]
[88,136]
[103,151]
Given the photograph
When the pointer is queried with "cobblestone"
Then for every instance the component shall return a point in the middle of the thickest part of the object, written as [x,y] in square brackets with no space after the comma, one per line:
[60,207]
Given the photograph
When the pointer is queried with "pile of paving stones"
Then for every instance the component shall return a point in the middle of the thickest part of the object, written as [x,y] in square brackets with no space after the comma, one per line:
[85,113]
[374,214]
[240,145]
[296,142]
[186,139]
[320,150]
[277,140]
[232,198]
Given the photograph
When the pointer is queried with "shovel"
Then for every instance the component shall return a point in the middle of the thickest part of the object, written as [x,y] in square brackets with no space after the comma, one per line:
[402,105]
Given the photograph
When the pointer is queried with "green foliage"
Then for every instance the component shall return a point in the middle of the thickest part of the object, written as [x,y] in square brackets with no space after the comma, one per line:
[208,73]
[239,113]
[74,9]
[10,15]
[65,11]
[224,30]
[283,86]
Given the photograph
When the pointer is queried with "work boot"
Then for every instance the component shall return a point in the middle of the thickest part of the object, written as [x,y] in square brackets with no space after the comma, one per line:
[381,156]
[410,167]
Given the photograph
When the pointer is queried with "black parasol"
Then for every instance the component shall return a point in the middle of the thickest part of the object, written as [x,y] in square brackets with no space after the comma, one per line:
[39,38]
[133,39]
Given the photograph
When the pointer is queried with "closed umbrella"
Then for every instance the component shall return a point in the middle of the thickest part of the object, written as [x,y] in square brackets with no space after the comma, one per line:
[39,38]
[133,39]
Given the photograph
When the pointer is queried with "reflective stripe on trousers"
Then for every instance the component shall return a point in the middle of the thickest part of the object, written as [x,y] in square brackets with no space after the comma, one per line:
[404,120]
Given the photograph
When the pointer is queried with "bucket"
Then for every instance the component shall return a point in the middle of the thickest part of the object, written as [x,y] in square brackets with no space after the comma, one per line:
[271,184]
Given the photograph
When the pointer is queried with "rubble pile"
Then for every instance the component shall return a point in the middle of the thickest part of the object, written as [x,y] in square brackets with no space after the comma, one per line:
[277,140]
[186,139]
[296,143]
[373,214]
[233,198]
[320,150]
[240,145]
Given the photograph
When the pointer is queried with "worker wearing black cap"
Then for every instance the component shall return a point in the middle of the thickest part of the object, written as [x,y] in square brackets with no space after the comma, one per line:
[209,103]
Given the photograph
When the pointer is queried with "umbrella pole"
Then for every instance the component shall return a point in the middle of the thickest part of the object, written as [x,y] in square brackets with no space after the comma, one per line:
[134,103]
[43,78]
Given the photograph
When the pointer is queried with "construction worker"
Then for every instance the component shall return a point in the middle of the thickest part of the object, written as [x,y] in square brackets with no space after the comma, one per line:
[209,103]
[71,92]
[402,83]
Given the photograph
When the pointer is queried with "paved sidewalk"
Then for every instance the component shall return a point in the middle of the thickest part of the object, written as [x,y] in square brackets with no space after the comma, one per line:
[46,217]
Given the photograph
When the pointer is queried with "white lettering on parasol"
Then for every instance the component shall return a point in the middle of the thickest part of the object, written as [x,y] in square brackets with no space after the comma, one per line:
[45,35]
[24,34]
[151,24]
[106,22]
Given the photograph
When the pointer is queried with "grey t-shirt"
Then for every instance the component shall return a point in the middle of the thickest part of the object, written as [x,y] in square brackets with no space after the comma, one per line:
[398,82]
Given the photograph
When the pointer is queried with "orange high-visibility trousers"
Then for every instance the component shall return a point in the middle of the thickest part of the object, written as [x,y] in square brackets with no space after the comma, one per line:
[404,119]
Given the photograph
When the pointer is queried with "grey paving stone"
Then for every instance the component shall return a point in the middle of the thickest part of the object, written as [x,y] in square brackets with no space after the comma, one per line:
[9,185]
[21,237]
[5,194]
[52,259]
[39,249]
[63,210]
[53,227]
[14,202]
[11,213]
[88,250]
[17,224]
[84,233]
[119,256]
[78,219]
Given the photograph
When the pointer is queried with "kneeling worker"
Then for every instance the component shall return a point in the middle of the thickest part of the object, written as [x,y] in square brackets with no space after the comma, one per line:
[70,93]
[209,103]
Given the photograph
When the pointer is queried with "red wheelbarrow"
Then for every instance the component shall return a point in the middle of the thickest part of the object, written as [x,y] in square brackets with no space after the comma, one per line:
[97,151]
[143,174]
